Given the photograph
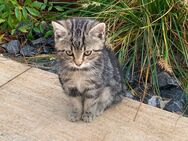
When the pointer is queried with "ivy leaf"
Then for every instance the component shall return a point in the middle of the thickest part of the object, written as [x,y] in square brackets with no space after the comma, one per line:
[27,2]
[33,11]
[30,35]
[13,31]
[59,8]
[2,7]
[18,13]
[24,12]
[10,21]
[23,29]
[50,6]
[14,2]
[2,20]
[43,6]
[37,30]
[41,28]
[48,34]
[37,4]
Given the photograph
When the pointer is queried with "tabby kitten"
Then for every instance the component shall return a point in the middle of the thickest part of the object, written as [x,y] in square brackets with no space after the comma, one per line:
[88,70]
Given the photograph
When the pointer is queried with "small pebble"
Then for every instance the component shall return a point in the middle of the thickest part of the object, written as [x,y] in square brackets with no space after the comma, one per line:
[39,41]
[28,50]
[12,46]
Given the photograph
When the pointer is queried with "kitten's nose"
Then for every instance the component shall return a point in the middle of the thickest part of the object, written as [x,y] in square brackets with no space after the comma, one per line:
[78,62]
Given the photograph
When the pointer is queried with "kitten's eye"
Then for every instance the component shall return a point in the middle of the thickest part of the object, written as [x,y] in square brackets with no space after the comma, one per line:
[69,52]
[87,53]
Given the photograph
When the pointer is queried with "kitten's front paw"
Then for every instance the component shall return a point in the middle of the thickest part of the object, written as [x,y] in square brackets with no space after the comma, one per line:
[99,112]
[88,117]
[74,116]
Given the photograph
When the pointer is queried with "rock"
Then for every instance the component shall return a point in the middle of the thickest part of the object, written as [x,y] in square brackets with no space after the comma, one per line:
[177,99]
[175,106]
[186,111]
[39,41]
[165,81]
[50,42]
[128,94]
[170,89]
[44,45]
[2,50]
[47,49]
[137,94]
[12,47]
[155,101]
[174,93]
[28,50]
[4,45]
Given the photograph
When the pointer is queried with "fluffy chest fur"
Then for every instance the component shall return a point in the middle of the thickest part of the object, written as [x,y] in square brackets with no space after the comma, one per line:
[81,80]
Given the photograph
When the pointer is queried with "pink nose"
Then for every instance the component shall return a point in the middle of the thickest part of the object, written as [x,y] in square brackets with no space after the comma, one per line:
[78,63]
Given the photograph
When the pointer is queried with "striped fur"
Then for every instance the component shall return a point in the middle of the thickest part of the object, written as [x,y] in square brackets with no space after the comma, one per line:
[88,70]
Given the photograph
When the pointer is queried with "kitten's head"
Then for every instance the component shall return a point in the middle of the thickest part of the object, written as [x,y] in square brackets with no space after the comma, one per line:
[79,41]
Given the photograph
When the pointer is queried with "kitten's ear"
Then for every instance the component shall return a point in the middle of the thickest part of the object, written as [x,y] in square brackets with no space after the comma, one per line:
[59,30]
[98,31]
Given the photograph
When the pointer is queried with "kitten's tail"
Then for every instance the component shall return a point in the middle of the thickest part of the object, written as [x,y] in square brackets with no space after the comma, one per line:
[117,98]
[119,95]
[124,93]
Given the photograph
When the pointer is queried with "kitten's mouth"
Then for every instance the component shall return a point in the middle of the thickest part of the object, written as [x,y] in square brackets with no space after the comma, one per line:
[78,65]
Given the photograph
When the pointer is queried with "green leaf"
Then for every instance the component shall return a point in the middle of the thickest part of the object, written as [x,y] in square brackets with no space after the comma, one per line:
[23,29]
[36,29]
[33,11]
[37,24]
[48,34]
[18,13]
[13,31]
[11,22]
[59,8]
[5,15]
[27,2]
[43,6]
[2,21]
[41,28]
[37,4]
[43,22]
[24,12]
[30,35]
[50,7]
[2,7]
[14,2]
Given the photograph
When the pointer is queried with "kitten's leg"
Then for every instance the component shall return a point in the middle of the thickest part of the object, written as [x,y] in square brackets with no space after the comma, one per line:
[90,105]
[107,98]
[75,108]
[75,104]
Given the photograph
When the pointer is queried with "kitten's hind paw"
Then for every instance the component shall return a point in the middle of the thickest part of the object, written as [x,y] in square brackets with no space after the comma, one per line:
[74,116]
[88,117]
